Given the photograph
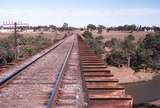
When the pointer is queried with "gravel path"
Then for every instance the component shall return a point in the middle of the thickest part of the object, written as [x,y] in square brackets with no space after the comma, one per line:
[33,86]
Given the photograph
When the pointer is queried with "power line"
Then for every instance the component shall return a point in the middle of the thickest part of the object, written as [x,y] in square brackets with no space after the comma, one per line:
[15,24]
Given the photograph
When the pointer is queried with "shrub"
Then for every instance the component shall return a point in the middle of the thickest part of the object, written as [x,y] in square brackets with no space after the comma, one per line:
[31,45]
[138,55]
[96,43]
[6,50]
[87,35]
[116,58]
[27,50]
[27,47]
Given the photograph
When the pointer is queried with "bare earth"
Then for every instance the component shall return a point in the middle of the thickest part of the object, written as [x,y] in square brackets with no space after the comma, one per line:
[127,75]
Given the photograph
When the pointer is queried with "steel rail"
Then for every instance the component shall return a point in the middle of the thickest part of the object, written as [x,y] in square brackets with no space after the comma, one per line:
[53,96]
[4,81]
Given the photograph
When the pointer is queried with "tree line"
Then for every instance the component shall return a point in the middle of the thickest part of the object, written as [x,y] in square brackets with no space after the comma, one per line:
[131,28]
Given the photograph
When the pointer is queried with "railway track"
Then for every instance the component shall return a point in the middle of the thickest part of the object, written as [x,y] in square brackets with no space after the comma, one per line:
[100,87]
[35,85]
[11,73]
[70,90]
[64,77]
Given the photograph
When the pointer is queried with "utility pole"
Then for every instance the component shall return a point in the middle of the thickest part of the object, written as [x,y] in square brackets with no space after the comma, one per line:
[15,24]
[15,41]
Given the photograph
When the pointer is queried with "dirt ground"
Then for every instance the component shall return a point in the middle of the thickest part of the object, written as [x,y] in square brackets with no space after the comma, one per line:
[127,75]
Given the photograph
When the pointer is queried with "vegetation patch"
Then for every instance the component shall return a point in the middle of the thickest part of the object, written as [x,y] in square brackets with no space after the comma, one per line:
[96,43]
[27,46]
[142,54]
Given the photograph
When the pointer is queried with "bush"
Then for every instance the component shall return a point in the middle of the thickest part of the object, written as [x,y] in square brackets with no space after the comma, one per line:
[32,45]
[152,43]
[113,43]
[138,55]
[6,50]
[27,47]
[116,58]
[96,43]
[27,50]
[87,35]
[9,56]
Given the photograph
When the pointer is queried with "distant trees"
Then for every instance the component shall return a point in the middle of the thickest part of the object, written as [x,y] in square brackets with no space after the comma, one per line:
[65,25]
[133,27]
[100,28]
[91,27]
[52,27]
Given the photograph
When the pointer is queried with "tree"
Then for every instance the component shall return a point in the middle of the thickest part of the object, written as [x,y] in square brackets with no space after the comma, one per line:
[137,55]
[91,27]
[65,26]
[122,52]
[87,35]
[52,26]
[128,47]
[100,28]
[142,59]
[152,42]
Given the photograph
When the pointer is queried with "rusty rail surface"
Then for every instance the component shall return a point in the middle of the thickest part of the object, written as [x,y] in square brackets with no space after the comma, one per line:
[55,91]
[101,89]
[14,74]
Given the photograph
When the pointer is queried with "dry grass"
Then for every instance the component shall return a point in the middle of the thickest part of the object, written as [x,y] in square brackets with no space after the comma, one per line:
[4,35]
[49,35]
[120,34]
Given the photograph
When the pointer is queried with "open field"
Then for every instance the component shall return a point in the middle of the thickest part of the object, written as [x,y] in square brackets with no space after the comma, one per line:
[121,34]
[49,35]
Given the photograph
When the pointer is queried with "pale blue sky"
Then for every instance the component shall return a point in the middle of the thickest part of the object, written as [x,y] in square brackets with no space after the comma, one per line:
[81,12]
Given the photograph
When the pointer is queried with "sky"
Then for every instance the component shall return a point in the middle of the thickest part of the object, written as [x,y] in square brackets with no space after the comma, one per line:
[79,13]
